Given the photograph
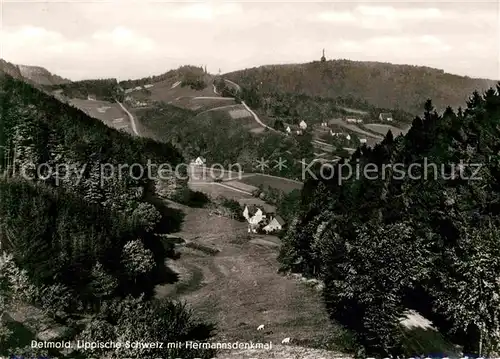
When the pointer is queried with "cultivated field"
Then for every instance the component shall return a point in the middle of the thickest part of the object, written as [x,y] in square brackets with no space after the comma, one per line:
[163,91]
[215,190]
[382,129]
[239,287]
[282,184]
[353,110]
[236,114]
[359,131]
[108,112]
[241,185]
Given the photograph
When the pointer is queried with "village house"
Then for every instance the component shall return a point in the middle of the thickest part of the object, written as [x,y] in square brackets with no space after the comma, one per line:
[354,120]
[276,224]
[324,124]
[348,137]
[199,161]
[362,140]
[288,129]
[255,218]
[385,116]
[303,125]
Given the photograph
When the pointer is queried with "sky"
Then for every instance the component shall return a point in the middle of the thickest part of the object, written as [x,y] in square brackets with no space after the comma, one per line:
[125,39]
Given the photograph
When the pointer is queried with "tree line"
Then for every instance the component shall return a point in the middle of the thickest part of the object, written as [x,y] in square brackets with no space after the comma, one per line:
[392,243]
[85,252]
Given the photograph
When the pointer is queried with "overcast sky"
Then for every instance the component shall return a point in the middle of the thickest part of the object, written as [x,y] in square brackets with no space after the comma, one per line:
[127,39]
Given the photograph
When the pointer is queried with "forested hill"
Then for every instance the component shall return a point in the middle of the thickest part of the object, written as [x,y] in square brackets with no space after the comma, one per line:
[172,76]
[383,85]
[416,238]
[79,250]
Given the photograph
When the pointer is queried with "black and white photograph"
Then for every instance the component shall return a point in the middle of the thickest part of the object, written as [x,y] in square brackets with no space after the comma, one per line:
[249,179]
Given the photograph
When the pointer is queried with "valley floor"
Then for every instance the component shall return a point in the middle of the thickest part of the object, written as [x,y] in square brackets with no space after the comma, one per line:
[239,287]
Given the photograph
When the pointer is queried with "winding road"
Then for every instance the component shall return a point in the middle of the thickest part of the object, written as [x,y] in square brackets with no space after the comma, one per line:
[131,117]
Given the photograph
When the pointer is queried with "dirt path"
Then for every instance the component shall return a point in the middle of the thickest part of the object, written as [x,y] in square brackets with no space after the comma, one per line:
[240,288]
[131,117]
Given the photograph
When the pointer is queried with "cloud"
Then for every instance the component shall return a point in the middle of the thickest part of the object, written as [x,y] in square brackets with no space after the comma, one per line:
[36,40]
[204,11]
[391,13]
[123,37]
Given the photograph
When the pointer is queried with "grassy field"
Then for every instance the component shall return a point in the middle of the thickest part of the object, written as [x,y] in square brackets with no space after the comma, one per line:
[354,128]
[235,114]
[108,112]
[241,185]
[282,184]
[382,129]
[214,190]
[239,287]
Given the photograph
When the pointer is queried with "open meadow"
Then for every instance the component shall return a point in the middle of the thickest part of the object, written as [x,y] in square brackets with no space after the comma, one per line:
[108,112]
[383,129]
[239,286]
[282,184]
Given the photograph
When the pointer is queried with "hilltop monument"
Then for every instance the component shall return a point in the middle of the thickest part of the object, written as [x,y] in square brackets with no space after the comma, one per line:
[323,58]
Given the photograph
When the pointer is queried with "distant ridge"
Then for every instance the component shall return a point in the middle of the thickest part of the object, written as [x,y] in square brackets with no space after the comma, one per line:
[35,75]
[384,85]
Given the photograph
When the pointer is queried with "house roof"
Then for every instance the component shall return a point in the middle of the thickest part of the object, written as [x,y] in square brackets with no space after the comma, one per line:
[280,220]
[252,209]
[385,115]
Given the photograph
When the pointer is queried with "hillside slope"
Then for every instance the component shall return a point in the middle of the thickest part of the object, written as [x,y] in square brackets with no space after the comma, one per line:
[380,84]
[41,75]
[35,75]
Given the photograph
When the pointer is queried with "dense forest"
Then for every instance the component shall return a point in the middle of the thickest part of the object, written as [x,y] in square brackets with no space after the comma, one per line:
[420,231]
[100,89]
[383,85]
[294,107]
[172,76]
[81,246]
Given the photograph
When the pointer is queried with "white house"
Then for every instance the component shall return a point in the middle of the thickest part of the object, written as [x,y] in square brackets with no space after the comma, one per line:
[348,137]
[303,125]
[254,217]
[275,224]
[288,129]
[385,116]
[200,161]
[362,140]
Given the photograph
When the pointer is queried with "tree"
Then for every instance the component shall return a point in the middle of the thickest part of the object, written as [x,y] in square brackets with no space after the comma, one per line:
[279,126]
[103,284]
[136,259]
[146,215]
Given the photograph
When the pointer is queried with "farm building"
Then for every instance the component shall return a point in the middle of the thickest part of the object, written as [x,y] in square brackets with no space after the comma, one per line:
[385,116]
[255,218]
[362,140]
[353,120]
[275,224]
[200,161]
[303,125]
